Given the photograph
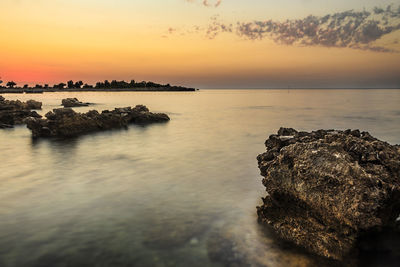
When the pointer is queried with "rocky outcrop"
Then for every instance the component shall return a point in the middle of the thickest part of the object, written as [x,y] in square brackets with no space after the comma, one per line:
[19,105]
[73,102]
[32,104]
[14,112]
[65,122]
[326,189]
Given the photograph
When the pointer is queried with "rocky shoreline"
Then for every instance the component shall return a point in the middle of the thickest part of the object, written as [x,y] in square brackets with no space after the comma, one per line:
[328,189]
[14,112]
[65,122]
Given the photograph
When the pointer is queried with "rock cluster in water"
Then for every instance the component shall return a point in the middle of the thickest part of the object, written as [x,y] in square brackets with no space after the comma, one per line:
[14,112]
[328,188]
[73,102]
[65,122]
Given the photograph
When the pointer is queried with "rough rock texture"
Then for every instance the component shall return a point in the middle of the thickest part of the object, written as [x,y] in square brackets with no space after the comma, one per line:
[15,112]
[32,104]
[73,102]
[65,122]
[239,243]
[328,188]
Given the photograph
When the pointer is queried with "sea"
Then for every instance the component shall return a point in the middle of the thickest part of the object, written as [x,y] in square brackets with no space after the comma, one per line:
[182,193]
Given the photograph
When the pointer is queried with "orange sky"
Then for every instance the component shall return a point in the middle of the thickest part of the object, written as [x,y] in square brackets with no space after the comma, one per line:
[52,41]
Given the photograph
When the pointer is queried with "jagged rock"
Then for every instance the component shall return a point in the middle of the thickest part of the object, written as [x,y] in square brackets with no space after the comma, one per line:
[73,102]
[65,122]
[14,117]
[15,112]
[328,188]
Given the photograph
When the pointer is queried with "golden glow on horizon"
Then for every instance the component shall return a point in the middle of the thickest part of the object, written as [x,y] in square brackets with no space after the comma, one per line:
[53,45]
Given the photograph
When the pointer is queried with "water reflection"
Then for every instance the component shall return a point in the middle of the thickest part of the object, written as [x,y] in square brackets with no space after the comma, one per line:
[176,194]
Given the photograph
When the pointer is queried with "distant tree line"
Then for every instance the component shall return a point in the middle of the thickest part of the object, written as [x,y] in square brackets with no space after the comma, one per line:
[131,84]
[114,84]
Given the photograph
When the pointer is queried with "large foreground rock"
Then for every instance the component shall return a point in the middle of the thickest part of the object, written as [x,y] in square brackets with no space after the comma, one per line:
[14,112]
[65,122]
[73,102]
[326,189]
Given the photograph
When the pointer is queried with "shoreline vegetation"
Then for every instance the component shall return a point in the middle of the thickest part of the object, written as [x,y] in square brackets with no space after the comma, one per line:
[106,86]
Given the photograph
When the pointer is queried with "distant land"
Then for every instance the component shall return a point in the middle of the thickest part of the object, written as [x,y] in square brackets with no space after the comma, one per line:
[106,86]
[306,88]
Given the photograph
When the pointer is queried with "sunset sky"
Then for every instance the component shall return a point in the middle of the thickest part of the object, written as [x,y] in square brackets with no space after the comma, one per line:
[205,44]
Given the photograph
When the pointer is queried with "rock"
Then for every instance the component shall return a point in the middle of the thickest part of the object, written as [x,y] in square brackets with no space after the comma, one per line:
[141,115]
[19,105]
[328,188]
[32,104]
[15,112]
[65,122]
[241,243]
[73,102]
[13,117]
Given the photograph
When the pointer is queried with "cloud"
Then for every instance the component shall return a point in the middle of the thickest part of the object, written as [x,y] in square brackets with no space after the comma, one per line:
[208,3]
[216,27]
[171,30]
[357,30]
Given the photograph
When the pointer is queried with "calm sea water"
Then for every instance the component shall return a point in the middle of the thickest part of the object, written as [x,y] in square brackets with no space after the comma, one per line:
[177,194]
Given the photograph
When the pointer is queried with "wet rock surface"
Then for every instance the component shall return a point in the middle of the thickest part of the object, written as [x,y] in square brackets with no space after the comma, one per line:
[14,112]
[65,122]
[73,102]
[244,245]
[328,189]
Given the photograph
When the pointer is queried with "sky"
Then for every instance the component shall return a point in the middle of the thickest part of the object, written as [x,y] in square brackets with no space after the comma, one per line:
[203,43]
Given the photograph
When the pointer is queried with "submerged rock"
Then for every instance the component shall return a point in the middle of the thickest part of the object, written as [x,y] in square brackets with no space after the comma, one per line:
[14,112]
[73,102]
[65,122]
[240,243]
[327,188]
[170,235]
[223,248]
[176,230]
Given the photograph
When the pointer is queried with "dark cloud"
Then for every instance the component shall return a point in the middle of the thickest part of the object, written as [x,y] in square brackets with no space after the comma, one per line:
[351,29]
[346,29]
[357,30]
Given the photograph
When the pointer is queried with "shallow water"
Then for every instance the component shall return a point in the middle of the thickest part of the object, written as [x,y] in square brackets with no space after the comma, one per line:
[177,194]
